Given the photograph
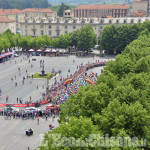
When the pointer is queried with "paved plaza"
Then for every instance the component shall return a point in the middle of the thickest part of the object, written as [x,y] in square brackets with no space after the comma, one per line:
[12,136]
[12,133]
[10,70]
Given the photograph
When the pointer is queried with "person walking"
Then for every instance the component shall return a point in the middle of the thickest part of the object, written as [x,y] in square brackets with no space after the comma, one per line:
[17,99]
[30,98]
[46,117]
[53,116]
[37,87]
[38,120]
[7,99]
[0,91]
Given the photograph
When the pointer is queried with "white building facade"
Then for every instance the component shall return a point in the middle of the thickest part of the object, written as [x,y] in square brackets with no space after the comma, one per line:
[6,24]
[54,27]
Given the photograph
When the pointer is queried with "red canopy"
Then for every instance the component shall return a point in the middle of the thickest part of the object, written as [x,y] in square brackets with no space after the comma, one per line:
[7,54]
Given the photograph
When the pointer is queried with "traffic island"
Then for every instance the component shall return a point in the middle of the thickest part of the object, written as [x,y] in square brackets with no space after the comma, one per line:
[37,75]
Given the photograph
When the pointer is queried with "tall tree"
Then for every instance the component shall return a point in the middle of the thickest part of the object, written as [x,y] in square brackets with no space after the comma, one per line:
[22,4]
[64,41]
[47,41]
[87,38]
[76,129]
[109,38]
[55,42]
[75,38]
[132,119]
[62,8]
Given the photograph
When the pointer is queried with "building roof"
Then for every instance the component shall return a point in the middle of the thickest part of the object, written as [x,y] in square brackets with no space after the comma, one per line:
[38,10]
[117,6]
[109,17]
[139,13]
[140,1]
[6,20]
[10,11]
[17,11]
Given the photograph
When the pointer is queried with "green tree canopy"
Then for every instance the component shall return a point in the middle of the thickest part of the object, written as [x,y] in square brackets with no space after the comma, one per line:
[22,4]
[76,129]
[117,117]
[87,38]
[75,38]
[55,42]
[64,40]
[62,8]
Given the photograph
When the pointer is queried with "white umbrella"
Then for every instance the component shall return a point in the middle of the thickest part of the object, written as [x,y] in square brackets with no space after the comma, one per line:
[47,50]
[39,50]
[31,50]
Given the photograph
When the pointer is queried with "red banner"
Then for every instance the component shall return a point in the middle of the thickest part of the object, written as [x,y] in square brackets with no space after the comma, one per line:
[19,105]
[31,105]
[2,105]
[23,105]
[44,102]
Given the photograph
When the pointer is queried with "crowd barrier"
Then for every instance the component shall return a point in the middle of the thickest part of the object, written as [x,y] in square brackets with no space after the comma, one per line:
[23,105]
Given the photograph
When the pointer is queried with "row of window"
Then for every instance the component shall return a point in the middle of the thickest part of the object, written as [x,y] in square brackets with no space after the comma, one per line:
[50,32]
[74,27]
[57,32]
[57,29]
[42,32]
[50,27]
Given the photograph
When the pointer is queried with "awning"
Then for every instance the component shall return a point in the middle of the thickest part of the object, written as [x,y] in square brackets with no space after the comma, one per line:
[54,51]
[47,50]
[7,54]
[51,50]
[39,50]
[1,56]
[31,50]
